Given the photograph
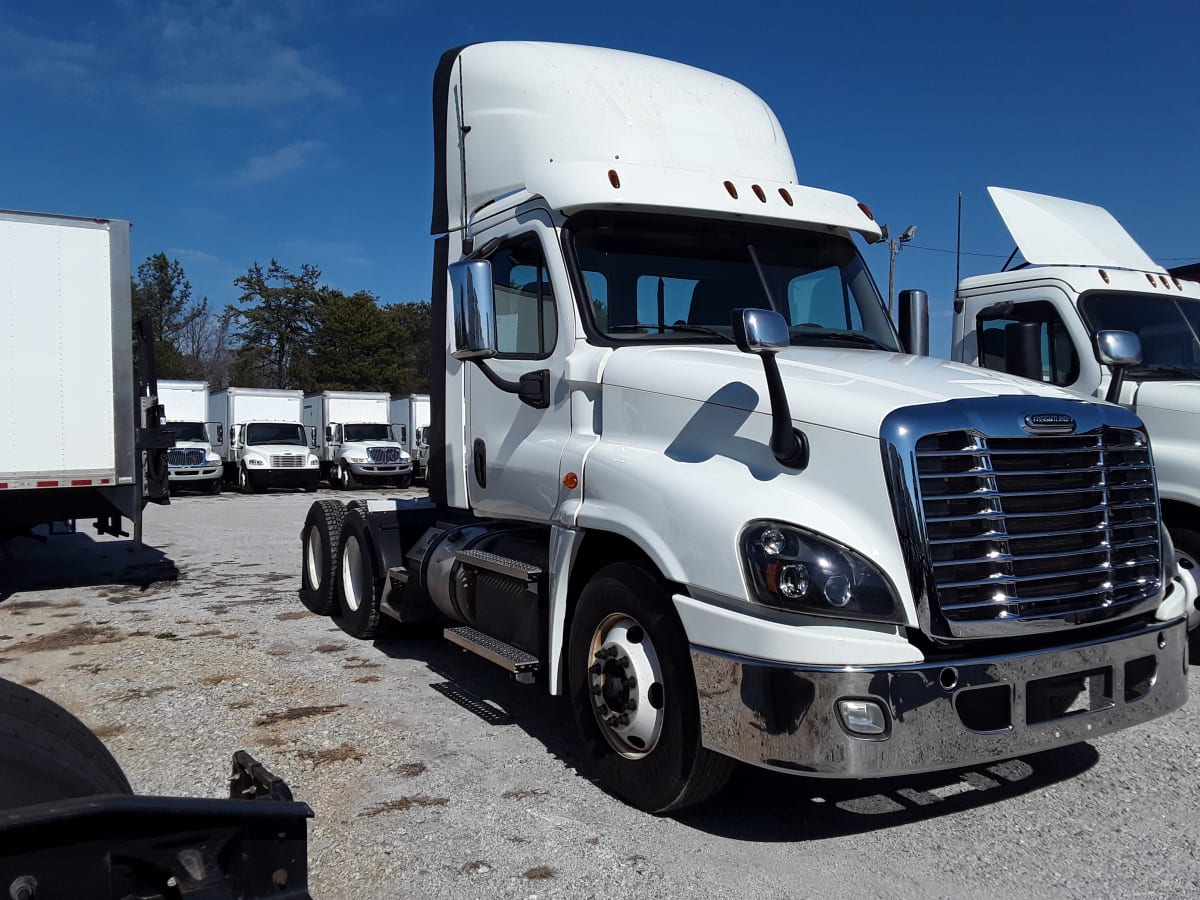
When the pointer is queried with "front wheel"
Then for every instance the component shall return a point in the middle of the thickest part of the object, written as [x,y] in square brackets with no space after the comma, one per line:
[346,478]
[214,486]
[244,483]
[633,694]
[1187,555]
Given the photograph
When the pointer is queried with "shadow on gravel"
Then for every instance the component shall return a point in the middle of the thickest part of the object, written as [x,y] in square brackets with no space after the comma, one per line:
[766,806]
[757,805]
[78,560]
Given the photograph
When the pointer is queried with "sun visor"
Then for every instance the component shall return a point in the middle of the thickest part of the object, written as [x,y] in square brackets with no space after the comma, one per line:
[1053,231]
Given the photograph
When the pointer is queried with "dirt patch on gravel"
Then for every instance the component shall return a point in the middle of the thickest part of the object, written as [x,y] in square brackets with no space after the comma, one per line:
[292,616]
[403,803]
[337,754]
[411,770]
[108,731]
[298,712]
[74,636]
[539,873]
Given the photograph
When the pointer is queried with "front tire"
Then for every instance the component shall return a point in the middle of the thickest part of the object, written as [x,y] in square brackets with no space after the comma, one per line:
[359,589]
[346,478]
[633,694]
[245,485]
[214,486]
[47,754]
[319,540]
[1187,554]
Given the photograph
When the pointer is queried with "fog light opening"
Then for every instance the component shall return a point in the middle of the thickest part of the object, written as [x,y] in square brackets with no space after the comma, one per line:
[862,717]
[949,678]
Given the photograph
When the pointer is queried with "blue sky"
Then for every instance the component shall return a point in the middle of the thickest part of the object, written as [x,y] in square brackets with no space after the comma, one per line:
[231,131]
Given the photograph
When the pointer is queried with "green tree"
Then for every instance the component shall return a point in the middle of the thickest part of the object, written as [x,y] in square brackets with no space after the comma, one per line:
[276,323]
[162,293]
[409,329]
[352,347]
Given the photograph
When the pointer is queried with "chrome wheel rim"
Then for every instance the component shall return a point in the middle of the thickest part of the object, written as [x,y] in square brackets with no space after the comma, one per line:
[314,558]
[625,682]
[352,576]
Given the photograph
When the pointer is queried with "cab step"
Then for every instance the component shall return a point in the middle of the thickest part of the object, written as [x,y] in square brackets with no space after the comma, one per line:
[501,565]
[397,579]
[514,659]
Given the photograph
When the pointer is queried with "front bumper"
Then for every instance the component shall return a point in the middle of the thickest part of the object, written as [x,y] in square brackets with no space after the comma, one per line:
[939,715]
[381,470]
[195,473]
[284,477]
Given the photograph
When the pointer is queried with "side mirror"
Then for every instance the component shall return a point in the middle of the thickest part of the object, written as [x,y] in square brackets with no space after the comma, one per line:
[1023,349]
[474,309]
[312,435]
[764,333]
[328,432]
[215,433]
[914,322]
[235,435]
[1118,349]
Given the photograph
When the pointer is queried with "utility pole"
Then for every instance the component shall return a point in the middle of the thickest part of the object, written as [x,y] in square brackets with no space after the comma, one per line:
[893,251]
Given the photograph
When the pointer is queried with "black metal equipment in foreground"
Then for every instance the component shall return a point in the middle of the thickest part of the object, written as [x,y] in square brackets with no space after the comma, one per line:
[118,846]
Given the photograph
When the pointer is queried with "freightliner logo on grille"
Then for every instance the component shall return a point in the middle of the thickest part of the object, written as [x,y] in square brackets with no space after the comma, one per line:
[1049,423]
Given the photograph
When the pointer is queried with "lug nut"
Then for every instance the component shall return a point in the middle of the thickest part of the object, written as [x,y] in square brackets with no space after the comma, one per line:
[631,704]
[631,682]
[625,662]
[595,668]
[596,689]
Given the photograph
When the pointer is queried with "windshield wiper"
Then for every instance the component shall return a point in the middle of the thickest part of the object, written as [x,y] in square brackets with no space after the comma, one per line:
[853,336]
[661,329]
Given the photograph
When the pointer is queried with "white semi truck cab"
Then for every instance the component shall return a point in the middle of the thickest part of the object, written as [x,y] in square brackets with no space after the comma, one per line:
[264,441]
[353,438]
[682,471]
[192,462]
[1091,312]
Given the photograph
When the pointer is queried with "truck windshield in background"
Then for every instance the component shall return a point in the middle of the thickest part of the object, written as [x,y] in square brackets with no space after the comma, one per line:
[1169,328]
[656,279]
[188,431]
[275,433]
[351,433]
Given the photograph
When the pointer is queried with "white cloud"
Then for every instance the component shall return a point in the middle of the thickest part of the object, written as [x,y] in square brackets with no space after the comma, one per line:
[62,63]
[192,256]
[278,163]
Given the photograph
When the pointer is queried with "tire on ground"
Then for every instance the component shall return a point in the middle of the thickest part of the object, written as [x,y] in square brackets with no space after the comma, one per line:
[359,587]
[320,540]
[678,771]
[47,754]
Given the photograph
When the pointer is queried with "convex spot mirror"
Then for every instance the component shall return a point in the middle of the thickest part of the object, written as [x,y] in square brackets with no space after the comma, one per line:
[474,309]
[1119,348]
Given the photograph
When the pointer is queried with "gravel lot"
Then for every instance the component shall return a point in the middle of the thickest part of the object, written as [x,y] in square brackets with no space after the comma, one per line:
[433,774]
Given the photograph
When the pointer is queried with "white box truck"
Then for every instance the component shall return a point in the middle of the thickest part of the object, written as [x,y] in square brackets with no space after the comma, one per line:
[1088,291]
[410,423]
[262,440]
[353,438]
[192,461]
[81,428]
[682,471]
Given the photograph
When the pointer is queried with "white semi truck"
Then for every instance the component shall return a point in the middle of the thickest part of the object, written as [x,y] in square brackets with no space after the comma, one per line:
[192,461]
[682,471]
[1086,287]
[81,418]
[262,439]
[410,423]
[352,434]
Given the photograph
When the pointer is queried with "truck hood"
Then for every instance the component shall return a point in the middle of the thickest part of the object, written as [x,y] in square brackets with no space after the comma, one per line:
[848,389]
[278,449]
[361,447]
[1173,396]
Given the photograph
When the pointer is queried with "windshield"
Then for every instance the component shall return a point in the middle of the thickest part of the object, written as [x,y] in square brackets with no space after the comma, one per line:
[1169,328]
[658,279]
[188,431]
[275,433]
[366,433]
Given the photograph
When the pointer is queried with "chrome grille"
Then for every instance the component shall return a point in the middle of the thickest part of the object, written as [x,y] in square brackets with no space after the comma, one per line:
[287,461]
[185,456]
[383,454]
[1037,528]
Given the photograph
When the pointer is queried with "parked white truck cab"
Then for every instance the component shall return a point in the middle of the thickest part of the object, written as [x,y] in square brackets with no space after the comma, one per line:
[682,472]
[81,418]
[263,441]
[410,423]
[192,461]
[353,438]
[1086,288]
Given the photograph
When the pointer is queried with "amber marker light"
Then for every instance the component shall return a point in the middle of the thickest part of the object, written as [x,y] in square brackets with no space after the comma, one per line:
[570,481]
[787,198]
[613,178]
[866,210]
[1104,276]
[732,190]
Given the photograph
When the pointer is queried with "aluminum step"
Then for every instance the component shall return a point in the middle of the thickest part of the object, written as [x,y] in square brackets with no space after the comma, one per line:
[501,565]
[504,655]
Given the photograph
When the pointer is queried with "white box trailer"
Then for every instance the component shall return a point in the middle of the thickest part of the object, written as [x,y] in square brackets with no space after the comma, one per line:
[353,437]
[262,440]
[192,462]
[75,413]
[410,422]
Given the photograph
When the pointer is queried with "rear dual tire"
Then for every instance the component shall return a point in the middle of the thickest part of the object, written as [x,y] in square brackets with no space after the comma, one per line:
[359,588]
[320,539]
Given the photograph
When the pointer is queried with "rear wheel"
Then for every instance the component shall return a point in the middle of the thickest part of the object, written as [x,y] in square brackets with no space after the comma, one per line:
[633,694]
[47,754]
[320,539]
[359,589]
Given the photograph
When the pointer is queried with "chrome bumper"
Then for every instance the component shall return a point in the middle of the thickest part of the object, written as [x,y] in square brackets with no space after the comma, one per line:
[942,715]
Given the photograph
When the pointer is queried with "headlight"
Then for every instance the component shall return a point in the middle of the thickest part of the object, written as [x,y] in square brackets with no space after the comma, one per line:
[357,459]
[313,461]
[796,571]
[254,461]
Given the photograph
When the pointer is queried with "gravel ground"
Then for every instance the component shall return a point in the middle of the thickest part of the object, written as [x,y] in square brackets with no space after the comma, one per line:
[433,774]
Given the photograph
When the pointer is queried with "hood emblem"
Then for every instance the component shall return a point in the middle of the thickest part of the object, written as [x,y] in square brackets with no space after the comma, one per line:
[1049,423]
